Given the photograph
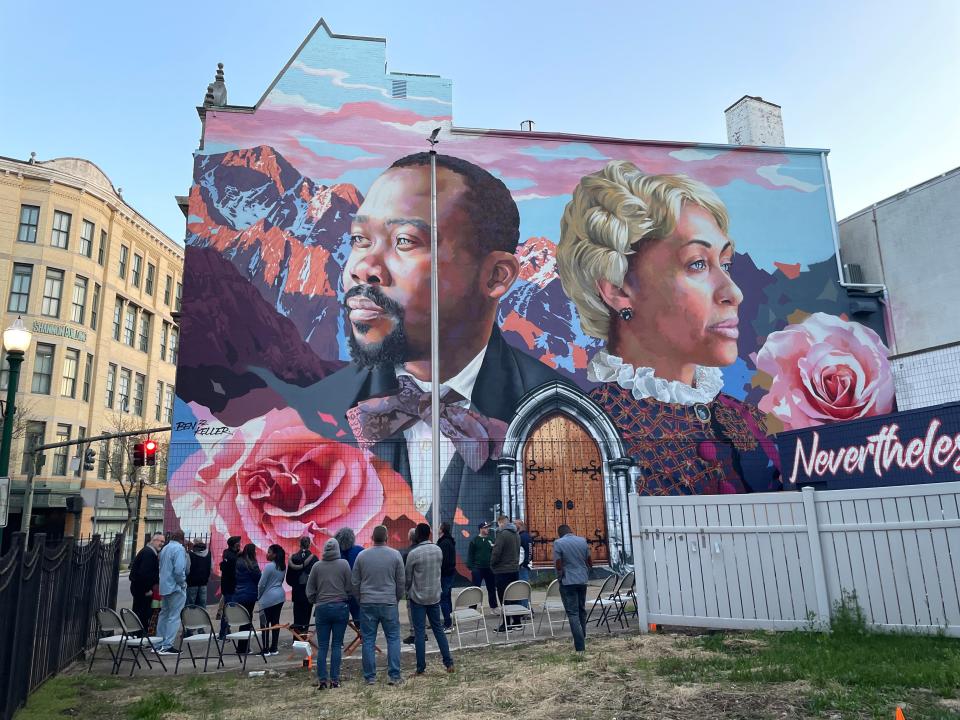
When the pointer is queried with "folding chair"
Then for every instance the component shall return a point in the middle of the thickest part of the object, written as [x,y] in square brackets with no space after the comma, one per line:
[510,607]
[468,607]
[552,603]
[113,635]
[625,594]
[606,589]
[194,617]
[137,638]
[237,616]
[610,602]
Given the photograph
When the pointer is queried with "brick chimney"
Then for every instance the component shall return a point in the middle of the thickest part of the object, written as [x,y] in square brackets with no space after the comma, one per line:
[754,121]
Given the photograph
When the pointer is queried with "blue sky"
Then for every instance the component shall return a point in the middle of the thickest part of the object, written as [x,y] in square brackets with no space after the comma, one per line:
[117,82]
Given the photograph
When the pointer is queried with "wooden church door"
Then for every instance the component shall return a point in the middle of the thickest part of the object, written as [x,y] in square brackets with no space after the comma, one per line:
[563,484]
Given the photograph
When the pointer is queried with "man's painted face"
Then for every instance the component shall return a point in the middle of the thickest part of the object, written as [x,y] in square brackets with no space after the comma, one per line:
[682,295]
[386,279]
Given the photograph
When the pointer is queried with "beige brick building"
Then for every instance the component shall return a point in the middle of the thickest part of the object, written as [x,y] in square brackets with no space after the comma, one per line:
[99,287]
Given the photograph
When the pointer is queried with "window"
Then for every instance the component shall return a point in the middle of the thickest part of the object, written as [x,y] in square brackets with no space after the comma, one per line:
[139,385]
[29,217]
[95,307]
[52,290]
[117,458]
[79,307]
[158,408]
[137,267]
[5,374]
[117,318]
[111,382]
[79,450]
[60,236]
[60,453]
[168,403]
[20,288]
[168,285]
[35,432]
[164,332]
[86,238]
[42,369]
[104,453]
[123,390]
[174,339]
[103,247]
[151,275]
[71,366]
[179,296]
[144,339]
[122,270]
[129,324]
[87,377]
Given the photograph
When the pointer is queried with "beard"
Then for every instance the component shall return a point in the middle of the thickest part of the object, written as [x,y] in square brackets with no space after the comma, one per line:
[393,349]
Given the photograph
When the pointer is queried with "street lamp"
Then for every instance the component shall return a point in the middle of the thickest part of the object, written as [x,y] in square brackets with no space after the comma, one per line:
[16,341]
[434,337]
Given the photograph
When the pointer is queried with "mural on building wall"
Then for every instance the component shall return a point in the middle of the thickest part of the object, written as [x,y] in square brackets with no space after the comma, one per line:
[681,301]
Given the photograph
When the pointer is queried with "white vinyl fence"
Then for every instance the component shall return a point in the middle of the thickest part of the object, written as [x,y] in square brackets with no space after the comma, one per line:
[781,560]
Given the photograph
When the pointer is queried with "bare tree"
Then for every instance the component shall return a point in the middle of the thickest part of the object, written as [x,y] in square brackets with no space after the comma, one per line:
[117,455]
[24,414]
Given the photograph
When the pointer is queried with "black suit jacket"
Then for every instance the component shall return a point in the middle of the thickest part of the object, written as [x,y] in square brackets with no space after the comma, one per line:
[505,376]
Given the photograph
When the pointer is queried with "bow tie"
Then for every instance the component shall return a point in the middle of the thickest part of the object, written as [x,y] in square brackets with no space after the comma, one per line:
[476,437]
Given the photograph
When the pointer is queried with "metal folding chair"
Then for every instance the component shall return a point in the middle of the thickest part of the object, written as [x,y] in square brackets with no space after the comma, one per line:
[625,594]
[468,607]
[510,607]
[137,638]
[113,635]
[237,616]
[552,603]
[194,617]
[602,596]
[611,601]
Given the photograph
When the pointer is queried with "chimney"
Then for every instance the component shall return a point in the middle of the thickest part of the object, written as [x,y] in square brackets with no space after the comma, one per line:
[526,126]
[754,121]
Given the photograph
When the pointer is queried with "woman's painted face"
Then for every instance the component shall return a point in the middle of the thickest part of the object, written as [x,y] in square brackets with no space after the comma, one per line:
[682,296]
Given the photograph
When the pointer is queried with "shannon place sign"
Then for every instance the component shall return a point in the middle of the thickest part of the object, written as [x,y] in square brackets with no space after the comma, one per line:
[46,328]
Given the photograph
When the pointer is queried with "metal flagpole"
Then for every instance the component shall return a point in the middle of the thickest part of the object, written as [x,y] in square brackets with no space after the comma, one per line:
[434,340]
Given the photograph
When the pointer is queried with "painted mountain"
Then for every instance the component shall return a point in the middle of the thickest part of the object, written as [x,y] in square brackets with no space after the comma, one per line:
[280,230]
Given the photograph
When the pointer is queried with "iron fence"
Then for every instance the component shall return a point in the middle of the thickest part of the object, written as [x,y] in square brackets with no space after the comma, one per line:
[49,595]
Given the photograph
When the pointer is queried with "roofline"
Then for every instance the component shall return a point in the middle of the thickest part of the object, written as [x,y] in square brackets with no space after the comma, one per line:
[95,190]
[633,141]
[903,193]
[753,97]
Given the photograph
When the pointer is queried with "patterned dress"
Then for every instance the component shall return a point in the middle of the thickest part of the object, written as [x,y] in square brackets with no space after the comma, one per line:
[693,449]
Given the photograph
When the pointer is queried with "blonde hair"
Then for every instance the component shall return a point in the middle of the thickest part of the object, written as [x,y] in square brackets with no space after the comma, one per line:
[612,212]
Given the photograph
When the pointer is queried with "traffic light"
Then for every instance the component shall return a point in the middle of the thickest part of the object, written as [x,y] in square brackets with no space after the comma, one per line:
[150,452]
[139,454]
[88,458]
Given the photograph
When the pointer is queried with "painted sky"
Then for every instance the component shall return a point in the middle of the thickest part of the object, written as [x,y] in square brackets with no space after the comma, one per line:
[848,76]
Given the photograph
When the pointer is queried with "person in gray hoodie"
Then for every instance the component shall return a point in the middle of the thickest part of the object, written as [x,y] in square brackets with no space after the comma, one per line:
[505,560]
[378,579]
[329,585]
[423,596]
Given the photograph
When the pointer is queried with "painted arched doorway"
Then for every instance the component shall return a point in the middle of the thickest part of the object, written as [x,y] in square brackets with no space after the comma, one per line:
[563,478]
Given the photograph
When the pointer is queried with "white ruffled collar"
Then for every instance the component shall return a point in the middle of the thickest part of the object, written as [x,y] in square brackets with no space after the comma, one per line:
[642,383]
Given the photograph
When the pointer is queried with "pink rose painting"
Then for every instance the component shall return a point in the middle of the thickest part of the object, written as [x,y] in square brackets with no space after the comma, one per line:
[275,481]
[825,369]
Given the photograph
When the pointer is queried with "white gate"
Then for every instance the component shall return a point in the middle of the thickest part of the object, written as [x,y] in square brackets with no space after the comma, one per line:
[781,560]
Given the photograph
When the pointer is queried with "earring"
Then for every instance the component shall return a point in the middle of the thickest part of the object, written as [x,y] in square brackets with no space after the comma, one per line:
[626,313]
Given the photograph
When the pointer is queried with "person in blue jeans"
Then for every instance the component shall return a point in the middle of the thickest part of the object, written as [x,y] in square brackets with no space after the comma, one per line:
[378,579]
[173,590]
[423,573]
[571,558]
[329,585]
[349,551]
[448,573]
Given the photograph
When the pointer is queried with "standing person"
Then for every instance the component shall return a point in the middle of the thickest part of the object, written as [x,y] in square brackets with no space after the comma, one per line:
[144,574]
[448,571]
[329,585]
[478,560]
[271,595]
[524,553]
[505,560]
[246,589]
[404,552]
[571,557]
[378,579]
[228,578]
[349,549]
[199,574]
[298,572]
[423,572]
[173,590]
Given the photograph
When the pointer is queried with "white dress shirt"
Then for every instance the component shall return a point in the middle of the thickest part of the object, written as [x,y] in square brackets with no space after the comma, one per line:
[419,436]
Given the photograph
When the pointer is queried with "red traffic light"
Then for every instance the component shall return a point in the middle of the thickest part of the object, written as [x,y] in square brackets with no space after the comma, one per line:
[150,446]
